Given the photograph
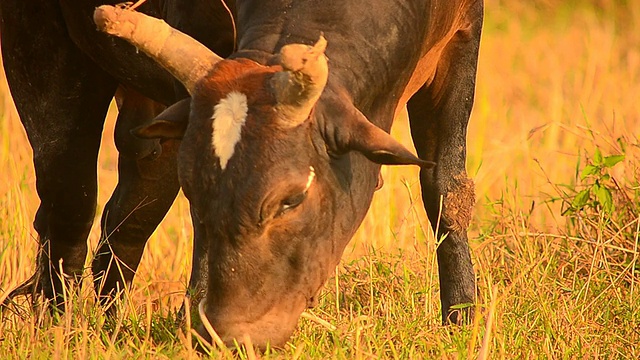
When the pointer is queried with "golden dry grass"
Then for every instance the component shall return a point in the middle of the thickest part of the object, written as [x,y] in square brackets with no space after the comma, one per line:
[556,81]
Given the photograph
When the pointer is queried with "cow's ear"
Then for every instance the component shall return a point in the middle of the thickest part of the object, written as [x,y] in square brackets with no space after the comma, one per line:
[378,146]
[345,128]
[169,124]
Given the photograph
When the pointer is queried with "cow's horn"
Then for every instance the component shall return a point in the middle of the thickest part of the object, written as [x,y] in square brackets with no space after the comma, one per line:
[181,55]
[299,86]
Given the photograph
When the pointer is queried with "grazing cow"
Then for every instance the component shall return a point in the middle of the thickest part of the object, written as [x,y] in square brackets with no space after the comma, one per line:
[63,73]
[283,143]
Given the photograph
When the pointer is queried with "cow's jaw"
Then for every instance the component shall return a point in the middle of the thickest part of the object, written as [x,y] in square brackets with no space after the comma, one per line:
[272,329]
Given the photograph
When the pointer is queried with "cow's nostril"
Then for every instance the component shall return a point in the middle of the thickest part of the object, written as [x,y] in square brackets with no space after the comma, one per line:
[312,302]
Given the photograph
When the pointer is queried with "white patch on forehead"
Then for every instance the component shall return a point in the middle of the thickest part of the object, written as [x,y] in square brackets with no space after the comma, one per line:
[229,115]
[312,175]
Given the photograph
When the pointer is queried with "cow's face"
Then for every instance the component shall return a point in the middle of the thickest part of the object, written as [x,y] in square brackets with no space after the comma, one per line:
[267,164]
[261,200]
[270,189]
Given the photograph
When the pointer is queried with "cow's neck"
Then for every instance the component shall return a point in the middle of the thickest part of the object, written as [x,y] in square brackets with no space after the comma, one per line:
[368,52]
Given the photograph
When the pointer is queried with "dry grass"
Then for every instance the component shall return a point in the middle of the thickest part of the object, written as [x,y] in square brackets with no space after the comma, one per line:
[557,80]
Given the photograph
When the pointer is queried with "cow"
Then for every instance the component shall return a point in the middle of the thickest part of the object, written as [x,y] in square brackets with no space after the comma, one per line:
[284,140]
[281,144]
[62,73]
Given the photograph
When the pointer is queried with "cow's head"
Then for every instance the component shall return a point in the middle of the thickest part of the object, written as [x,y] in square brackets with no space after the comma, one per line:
[267,162]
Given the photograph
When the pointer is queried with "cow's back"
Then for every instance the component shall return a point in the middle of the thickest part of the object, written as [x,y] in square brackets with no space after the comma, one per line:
[374,46]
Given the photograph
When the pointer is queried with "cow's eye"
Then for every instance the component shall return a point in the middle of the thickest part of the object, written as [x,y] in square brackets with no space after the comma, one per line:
[292,202]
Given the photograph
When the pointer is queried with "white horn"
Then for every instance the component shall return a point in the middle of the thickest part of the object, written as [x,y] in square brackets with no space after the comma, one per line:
[298,87]
[184,57]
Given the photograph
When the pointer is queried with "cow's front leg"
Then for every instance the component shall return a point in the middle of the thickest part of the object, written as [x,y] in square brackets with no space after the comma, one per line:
[439,114]
[147,186]
[62,99]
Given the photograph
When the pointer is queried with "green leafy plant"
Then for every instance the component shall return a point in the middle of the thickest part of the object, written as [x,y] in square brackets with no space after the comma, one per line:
[597,194]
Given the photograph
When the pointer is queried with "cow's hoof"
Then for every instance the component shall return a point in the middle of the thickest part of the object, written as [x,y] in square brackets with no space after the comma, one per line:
[29,288]
[460,315]
[38,297]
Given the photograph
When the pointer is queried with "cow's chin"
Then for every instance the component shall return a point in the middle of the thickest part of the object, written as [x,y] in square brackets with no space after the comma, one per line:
[273,329]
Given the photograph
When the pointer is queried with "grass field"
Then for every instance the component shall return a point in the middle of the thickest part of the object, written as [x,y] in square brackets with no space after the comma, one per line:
[553,148]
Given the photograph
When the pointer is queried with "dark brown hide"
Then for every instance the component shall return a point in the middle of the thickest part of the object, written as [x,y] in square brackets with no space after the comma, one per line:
[62,74]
